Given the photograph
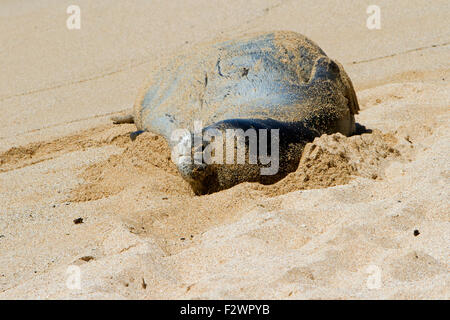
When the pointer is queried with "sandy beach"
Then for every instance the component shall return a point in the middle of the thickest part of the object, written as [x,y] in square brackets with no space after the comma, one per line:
[86,213]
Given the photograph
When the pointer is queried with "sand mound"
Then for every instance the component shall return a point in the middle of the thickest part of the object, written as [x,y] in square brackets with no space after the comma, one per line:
[150,196]
[332,160]
[328,161]
[146,191]
[23,156]
[146,161]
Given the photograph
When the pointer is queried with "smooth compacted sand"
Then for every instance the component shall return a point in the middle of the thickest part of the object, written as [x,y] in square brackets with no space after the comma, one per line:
[365,216]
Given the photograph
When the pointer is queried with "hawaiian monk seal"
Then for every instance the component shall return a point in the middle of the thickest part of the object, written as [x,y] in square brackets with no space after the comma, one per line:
[279,81]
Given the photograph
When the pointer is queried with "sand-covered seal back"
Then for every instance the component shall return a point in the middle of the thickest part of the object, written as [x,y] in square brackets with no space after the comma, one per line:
[282,78]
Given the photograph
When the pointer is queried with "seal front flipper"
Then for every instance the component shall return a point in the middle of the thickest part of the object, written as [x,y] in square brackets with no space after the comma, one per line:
[134,134]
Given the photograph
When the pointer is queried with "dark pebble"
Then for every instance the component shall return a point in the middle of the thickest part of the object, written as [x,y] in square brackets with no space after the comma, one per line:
[78,220]
[87,258]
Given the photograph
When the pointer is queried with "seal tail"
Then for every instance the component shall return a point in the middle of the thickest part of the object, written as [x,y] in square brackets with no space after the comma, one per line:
[128,118]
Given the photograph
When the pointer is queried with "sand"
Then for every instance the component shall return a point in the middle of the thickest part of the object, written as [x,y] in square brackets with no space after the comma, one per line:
[365,216]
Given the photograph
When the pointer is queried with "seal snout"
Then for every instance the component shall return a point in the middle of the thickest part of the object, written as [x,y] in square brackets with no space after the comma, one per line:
[188,157]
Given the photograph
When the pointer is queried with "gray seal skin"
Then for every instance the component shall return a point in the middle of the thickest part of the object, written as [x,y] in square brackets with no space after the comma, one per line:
[278,80]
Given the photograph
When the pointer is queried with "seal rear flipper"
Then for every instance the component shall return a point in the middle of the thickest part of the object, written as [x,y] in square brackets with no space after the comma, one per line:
[123,119]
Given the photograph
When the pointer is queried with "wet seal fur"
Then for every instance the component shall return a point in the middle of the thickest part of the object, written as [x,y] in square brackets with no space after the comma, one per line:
[278,80]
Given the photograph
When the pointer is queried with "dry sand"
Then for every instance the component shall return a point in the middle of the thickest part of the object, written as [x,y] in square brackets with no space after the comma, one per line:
[362,217]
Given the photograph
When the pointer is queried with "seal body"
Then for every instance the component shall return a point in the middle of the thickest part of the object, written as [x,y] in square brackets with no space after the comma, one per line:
[279,80]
